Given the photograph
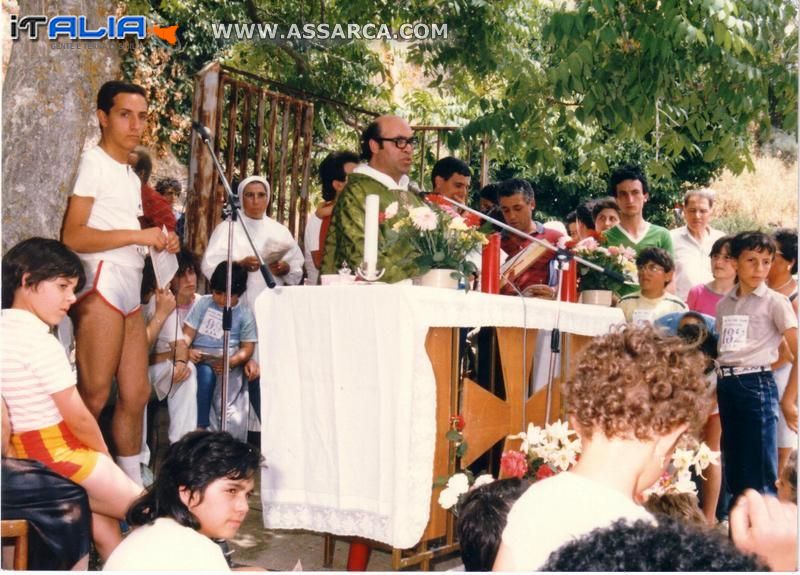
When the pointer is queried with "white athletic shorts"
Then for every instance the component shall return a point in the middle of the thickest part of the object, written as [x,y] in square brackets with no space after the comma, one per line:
[119,286]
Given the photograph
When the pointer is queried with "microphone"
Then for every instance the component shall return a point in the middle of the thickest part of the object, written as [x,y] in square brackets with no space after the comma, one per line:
[201,130]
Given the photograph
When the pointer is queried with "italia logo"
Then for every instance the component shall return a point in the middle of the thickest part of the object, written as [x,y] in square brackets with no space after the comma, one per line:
[78,28]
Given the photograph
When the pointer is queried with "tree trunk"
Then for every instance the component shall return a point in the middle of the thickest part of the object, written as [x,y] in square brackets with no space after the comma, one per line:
[49,97]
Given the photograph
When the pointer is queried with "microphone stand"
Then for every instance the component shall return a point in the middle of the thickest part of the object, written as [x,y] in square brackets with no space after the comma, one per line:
[563,257]
[227,312]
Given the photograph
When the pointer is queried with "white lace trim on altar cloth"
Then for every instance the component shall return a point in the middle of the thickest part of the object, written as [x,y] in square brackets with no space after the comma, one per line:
[349,399]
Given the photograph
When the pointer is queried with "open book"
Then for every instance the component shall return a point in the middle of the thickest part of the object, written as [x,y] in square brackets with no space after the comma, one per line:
[520,262]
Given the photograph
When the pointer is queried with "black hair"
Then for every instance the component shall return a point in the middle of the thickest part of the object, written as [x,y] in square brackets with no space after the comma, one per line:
[186,261]
[508,188]
[446,167]
[600,204]
[583,214]
[195,461]
[571,217]
[656,255]
[720,243]
[371,132]
[165,184]
[668,545]
[482,516]
[629,172]
[489,192]
[698,334]
[755,241]
[331,169]
[144,164]
[786,240]
[107,92]
[42,259]
[238,278]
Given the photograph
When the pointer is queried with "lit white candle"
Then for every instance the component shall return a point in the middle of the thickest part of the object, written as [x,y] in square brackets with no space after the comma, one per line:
[371,232]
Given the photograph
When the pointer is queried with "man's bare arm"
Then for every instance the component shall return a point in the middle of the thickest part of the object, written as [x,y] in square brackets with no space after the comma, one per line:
[78,236]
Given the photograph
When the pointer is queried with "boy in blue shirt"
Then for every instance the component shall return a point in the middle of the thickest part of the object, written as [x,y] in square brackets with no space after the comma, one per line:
[751,320]
[203,331]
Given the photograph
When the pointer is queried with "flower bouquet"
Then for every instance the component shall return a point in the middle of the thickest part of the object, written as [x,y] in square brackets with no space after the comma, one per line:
[440,236]
[617,258]
[543,452]
[678,476]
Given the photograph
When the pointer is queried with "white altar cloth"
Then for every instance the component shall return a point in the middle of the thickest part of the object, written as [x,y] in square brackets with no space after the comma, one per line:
[349,398]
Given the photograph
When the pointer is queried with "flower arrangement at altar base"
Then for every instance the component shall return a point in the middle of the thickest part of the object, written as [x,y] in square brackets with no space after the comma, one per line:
[542,453]
[618,258]
[440,236]
[678,477]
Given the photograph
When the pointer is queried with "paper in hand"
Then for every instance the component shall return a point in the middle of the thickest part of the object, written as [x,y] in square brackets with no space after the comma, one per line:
[165,264]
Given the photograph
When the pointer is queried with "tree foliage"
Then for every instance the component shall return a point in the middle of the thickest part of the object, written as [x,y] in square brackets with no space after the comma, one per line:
[562,90]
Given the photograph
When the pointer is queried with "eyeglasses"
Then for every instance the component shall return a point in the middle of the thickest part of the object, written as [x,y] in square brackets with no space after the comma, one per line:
[400,141]
[651,267]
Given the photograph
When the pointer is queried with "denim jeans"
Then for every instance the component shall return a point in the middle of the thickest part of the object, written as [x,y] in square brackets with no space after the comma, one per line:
[206,382]
[748,410]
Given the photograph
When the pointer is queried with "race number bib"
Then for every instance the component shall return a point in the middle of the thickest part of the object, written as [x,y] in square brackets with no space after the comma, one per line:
[211,324]
[642,317]
[734,332]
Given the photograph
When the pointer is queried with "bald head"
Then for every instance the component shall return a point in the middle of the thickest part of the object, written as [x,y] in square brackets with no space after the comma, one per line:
[385,145]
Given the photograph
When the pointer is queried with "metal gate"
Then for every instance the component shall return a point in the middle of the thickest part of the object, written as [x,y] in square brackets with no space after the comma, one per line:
[255,130]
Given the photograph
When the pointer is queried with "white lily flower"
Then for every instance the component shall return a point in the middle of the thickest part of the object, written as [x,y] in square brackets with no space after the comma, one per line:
[559,430]
[705,457]
[682,459]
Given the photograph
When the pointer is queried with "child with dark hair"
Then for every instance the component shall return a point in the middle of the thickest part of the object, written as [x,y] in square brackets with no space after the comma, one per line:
[605,213]
[199,495]
[49,421]
[202,330]
[669,545]
[752,320]
[655,267]
[704,298]
[481,519]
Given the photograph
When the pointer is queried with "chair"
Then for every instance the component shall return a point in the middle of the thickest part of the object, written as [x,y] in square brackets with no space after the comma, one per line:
[17,529]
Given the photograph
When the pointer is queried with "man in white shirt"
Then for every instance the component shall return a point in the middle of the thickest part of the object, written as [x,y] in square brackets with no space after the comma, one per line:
[101,225]
[692,243]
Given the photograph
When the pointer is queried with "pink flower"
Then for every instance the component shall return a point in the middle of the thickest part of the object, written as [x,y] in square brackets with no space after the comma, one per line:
[513,464]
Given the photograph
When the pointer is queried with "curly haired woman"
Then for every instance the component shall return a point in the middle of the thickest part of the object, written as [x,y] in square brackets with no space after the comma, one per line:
[634,393]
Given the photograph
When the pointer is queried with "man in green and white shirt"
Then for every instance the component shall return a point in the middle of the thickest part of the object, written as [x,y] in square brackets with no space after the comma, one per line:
[628,185]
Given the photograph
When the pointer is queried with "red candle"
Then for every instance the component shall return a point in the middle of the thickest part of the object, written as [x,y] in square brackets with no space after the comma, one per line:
[490,265]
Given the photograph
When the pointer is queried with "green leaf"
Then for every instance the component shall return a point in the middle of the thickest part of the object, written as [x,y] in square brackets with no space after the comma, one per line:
[453,435]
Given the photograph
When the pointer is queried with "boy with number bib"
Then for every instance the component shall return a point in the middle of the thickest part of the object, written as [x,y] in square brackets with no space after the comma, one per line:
[203,331]
[751,320]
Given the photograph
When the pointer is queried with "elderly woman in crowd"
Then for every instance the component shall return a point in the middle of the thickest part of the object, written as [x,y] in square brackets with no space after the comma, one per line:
[273,240]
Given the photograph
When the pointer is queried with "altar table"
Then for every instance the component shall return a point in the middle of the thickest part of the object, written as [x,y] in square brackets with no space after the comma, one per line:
[349,398]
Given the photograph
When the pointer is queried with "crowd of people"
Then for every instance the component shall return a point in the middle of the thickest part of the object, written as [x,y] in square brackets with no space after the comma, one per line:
[634,393]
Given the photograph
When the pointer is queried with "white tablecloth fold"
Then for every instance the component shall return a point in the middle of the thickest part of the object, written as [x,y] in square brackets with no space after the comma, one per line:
[349,399]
